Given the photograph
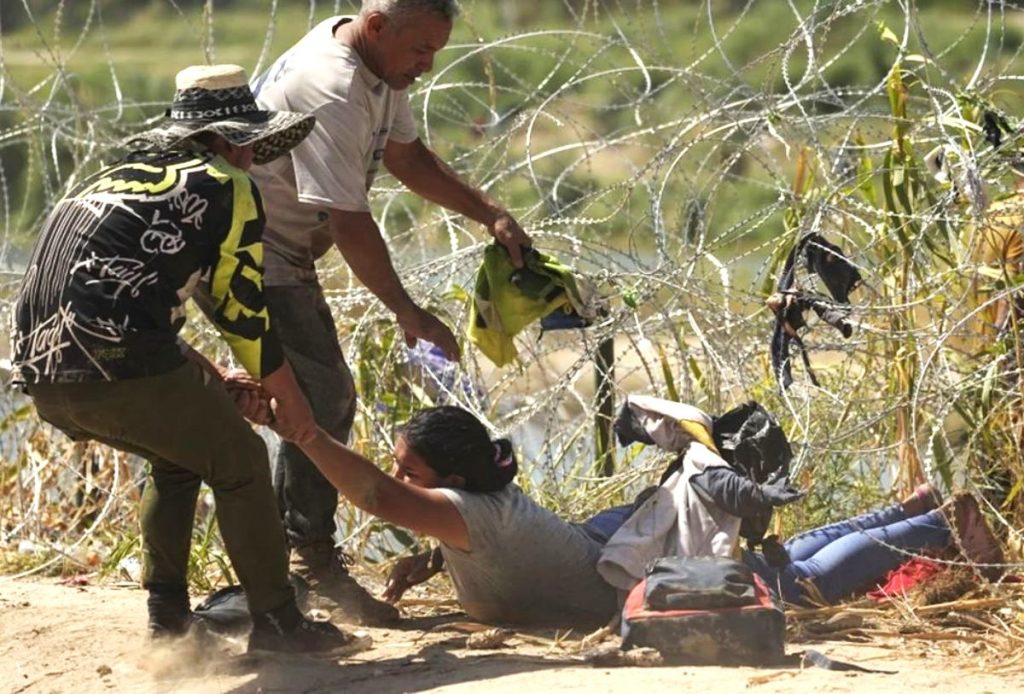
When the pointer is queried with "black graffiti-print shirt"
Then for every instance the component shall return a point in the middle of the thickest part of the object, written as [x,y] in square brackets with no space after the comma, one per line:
[103,296]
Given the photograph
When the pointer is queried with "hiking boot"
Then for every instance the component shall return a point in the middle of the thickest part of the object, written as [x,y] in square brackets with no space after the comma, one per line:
[169,613]
[972,536]
[325,568]
[285,630]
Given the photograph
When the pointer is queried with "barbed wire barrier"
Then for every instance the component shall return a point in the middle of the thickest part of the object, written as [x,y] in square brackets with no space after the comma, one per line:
[673,166]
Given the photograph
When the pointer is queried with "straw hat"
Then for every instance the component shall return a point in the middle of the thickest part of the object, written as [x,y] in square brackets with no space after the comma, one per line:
[217,99]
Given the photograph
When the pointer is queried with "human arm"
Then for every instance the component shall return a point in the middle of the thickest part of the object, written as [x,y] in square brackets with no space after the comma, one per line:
[234,299]
[424,173]
[236,306]
[358,238]
[291,415]
[738,496]
[425,511]
[251,401]
[250,398]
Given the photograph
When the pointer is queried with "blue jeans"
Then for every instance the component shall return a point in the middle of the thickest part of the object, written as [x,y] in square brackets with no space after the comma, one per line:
[603,525]
[846,557]
[305,327]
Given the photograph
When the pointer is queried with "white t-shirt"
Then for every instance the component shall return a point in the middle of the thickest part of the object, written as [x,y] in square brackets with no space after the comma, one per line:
[527,566]
[356,114]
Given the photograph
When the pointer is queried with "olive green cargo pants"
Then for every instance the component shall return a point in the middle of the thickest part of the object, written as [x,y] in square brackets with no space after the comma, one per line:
[186,425]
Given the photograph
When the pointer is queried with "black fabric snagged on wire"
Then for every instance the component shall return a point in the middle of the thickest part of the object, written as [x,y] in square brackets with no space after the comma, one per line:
[840,277]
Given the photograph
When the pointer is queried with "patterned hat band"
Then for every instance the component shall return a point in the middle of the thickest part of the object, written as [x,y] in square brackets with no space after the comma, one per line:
[198,104]
[216,99]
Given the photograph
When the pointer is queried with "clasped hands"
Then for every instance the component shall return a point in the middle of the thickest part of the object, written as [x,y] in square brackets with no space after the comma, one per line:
[251,400]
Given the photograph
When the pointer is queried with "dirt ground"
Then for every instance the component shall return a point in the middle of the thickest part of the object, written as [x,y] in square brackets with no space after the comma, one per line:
[62,638]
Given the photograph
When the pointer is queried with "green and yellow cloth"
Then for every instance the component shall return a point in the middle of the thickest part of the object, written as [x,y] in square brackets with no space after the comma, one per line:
[507,299]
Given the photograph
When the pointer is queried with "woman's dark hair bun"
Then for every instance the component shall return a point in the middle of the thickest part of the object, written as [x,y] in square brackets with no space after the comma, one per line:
[505,463]
[452,441]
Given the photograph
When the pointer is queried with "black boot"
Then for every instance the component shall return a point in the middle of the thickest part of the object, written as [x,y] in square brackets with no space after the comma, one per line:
[325,568]
[285,630]
[169,612]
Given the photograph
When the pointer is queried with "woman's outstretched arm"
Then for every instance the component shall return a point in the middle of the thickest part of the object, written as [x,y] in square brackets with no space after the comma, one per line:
[421,510]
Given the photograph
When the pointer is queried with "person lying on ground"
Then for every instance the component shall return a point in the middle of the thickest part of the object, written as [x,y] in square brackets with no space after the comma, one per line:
[838,561]
[96,342]
[514,562]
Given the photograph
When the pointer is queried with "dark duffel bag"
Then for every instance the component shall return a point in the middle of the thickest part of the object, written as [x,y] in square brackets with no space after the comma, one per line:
[705,610]
[226,611]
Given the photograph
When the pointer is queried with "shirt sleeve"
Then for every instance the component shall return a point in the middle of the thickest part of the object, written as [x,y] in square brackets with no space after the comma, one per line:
[723,488]
[329,163]
[403,128]
[482,516]
[236,285]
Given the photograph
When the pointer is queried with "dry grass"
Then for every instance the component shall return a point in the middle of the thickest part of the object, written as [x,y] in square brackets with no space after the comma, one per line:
[981,629]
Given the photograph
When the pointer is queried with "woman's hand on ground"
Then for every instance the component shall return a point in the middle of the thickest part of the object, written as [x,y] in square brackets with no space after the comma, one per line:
[409,572]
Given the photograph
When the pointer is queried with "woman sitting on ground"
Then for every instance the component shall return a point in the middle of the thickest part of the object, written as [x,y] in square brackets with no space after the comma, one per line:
[514,562]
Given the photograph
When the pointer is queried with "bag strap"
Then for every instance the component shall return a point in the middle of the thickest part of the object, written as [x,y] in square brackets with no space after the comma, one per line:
[812,658]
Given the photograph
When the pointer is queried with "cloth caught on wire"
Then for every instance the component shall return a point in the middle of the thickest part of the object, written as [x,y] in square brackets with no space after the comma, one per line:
[507,299]
[790,302]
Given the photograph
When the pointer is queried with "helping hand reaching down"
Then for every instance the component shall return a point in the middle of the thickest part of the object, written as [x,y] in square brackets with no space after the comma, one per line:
[277,403]
[507,232]
[418,323]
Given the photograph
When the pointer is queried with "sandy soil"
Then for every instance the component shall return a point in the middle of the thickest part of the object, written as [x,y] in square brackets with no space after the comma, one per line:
[63,638]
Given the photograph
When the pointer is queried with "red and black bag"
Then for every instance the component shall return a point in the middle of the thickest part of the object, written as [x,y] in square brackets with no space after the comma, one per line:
[704,610]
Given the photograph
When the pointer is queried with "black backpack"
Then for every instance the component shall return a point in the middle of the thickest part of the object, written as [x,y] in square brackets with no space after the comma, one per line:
[752,442]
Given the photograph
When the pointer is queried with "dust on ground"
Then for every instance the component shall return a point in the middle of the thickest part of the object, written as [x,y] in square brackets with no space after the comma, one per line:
[91,638]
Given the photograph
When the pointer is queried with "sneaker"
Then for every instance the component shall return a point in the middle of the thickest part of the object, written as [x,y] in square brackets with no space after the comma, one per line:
[972,536]
[285,630]
[325,568]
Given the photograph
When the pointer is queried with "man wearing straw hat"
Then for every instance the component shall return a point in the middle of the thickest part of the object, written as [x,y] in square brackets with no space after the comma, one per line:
[95,342]
[353,72]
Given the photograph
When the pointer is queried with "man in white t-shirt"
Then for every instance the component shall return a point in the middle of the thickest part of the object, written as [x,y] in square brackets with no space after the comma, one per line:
[352,73]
